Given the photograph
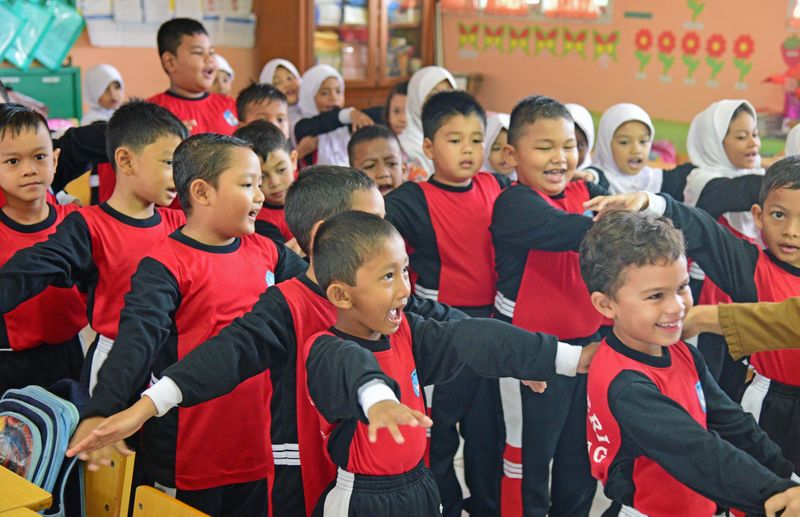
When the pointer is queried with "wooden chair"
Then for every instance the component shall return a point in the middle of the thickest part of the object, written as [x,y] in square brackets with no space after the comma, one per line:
[155,503]
[108,490]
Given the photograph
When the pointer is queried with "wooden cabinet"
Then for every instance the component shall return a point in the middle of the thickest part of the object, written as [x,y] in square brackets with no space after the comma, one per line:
[373,43]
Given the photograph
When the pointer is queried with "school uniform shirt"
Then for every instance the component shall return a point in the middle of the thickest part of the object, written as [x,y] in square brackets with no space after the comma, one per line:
[646,412]
[213,112]
[56,314]
[96,248]
[420,353]
[447,228]
[183,293]
[271,223]
[269,336]
[536,238]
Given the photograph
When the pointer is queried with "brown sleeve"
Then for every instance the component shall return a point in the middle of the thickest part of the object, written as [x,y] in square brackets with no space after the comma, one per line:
[758,327]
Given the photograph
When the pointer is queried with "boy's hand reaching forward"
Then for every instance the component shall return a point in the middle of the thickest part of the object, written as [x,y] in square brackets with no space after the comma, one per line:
[112,430]
[359,119]
[390,414]
[788,501]
[632,201]
[101,457]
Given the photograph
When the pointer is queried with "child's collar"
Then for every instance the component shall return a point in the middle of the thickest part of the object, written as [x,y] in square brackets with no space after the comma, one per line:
[452,188]
[30,228]
[380,345]
[792,270]
[179,236]
[183,97]
[658,362]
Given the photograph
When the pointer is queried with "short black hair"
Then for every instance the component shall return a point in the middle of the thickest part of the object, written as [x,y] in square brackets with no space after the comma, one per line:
[205,157]
[347,241]
[784,173]
[172,32]
[529,110]
[398,89]
[265,138]
[257,92]
[137,124]
[621,239]
[17,118]
[368,134]
[318,193]
[443,105]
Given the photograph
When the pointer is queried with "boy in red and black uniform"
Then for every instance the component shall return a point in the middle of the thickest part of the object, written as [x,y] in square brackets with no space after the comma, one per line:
[39,341]
[212,269]
[99,247]
[445,222]
[652,400]
[366,372]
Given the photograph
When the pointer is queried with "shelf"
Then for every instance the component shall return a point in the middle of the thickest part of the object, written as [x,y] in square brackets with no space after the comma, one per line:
[404,26]
[339,27]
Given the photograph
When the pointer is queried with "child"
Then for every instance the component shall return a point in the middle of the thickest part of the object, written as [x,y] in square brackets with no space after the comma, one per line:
[584,133]
[494,160]
[376,151]
[223,81]
[278,163]
[283,75]
[85,248]
[211,270]
[104,91]
[187,57]
[395,111]
[321,101]
[264,102]
[445,221]
[425,82]
[651,399]
[39,341]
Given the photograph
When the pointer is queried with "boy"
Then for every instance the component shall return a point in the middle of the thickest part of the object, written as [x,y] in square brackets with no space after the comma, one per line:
[188,287]
[376,151]
[85,250]
[39,341]
[445,221]
[187,58]
[652,400]
[375,357]
[278,163]
[264,102]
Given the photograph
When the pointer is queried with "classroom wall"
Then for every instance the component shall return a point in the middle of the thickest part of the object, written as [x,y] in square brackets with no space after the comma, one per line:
[602,75]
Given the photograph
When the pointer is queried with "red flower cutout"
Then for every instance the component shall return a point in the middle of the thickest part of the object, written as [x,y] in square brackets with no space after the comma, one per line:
[666,42]
[715,45]
[744,46]
[690,43]
[644,40]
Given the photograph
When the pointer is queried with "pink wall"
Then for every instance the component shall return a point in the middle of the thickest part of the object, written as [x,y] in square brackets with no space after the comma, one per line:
[510,73]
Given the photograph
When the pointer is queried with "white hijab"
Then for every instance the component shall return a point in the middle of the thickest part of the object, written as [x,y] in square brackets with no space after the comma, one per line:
[420,85]
[793,142]
[95,83]
[707,154]
[222,64]
[648,179]
[332,146]
[583,120]
[268,74]
[494,124]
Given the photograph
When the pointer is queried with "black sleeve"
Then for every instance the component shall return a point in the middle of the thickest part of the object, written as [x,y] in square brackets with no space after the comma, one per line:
[524,220]
[318,125]
[63,260]
[502,180]
[246,347]
[659,428]
[730,262]
[490,347]
[145,324]
[674,180]
[722,195]
[602,181]
[597,189]
[736,426]
[289,264]
[336,368]
[81,149]
[430,309]
[407,210]
[270,231]
[376,114]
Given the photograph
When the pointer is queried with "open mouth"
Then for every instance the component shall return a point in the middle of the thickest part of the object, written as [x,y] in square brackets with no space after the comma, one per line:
[385,188]
[395,316]
[555,175]
[635,163]
[252,214]
[674,326]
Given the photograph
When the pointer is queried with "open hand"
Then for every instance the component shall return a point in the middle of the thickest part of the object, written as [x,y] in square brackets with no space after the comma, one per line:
[359,119]
[632,201]
[390,414]
[112,430]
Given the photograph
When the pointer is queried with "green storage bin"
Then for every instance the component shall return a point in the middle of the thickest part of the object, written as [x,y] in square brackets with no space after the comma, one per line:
[60,89]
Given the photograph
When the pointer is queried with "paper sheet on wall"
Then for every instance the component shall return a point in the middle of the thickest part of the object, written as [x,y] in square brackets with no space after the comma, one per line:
[157,11]
[95,7]
[128,11]
[189,9]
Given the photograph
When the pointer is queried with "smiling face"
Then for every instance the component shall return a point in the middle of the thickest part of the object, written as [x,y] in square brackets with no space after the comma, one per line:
[237,198]
[330,95]
[382,161]
[545,155]
[287,83]
[630,147]
[742,142]
[152,168]
[192,68]
[456,149]
[27,164]
[779,222]
[277,176]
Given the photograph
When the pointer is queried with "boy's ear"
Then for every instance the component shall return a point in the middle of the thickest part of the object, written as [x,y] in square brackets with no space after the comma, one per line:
[510,155]
[200,193]
[339,295]
[312,234]
[293,159]
[168,60]
[602,304]
[756,210]
[123,158]
[427,148]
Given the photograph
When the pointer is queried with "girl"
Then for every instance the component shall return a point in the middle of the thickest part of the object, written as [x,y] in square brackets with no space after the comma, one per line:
[584,133]
[395,111]
[425,82]
[283,75]
[495,139]
[223,81]
[321,99]
[104,92]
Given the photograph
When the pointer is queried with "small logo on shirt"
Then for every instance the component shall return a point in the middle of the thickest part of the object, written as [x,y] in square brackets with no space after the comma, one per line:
[588,213]
[415,382]
[700,396]
[230,118]
[270,278]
